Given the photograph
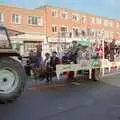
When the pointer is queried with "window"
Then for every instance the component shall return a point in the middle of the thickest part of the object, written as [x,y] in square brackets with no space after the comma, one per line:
[4,42]
[52,46]
[1,17]
[111,24]
[84,19]
[54,13]
[16,19]
[75,17]
[33,20]
[30,46]
[64,15]
[92,20]
[105,23]
[70,34]
[63,31]
[98,33]
[98,21]
[117,33]
[75,32]
[54,28]
[93,32]
[88,31]
[111,34]
[107,34]
[117,25]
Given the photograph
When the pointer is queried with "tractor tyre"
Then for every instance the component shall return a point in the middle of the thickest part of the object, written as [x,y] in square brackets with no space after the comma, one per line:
[12,79]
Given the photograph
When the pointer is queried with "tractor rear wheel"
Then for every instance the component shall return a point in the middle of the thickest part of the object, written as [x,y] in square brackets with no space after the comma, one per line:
[12,79]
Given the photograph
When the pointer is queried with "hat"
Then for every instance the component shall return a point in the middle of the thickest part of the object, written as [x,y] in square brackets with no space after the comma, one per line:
[47,54]
[74,41]
[54,52]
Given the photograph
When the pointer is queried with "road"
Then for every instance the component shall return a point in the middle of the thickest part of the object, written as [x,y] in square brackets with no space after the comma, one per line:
[89,101]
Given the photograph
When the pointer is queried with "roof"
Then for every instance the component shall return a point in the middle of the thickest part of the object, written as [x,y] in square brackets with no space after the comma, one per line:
[56,7]
[11,5]
[73,10]
[15,6]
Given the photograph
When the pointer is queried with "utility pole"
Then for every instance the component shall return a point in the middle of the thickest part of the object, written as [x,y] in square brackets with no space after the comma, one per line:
[46,23]
[65,40]
[46,34]
[58,42]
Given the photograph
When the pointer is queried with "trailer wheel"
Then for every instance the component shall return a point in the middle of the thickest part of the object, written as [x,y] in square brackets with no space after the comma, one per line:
[96,74]
[12,79]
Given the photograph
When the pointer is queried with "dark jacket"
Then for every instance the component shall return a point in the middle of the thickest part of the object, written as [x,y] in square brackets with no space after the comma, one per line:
[65,59]
[73,55]
[54,62]
[32,59]
[106,51]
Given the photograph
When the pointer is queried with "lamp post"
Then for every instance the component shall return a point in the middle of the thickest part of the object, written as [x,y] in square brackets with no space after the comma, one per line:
[46,28]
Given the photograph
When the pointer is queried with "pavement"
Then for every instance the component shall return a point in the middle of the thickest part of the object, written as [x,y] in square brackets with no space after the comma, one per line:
[40,83]
[88,101]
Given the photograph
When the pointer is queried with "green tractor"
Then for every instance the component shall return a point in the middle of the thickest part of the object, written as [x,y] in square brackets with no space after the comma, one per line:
[12,75]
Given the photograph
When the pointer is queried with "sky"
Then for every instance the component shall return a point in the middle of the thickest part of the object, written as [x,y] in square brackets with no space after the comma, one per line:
[106,8]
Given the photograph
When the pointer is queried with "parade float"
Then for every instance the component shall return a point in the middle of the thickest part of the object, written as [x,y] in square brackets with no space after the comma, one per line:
[95,65]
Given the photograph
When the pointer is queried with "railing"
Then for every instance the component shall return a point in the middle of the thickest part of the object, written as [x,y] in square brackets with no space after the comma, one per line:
[88,65]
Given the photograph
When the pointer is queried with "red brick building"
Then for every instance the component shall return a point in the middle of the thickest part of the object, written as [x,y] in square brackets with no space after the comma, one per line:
[52,25]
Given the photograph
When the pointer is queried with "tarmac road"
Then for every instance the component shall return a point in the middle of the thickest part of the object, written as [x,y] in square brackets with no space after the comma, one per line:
[89,101]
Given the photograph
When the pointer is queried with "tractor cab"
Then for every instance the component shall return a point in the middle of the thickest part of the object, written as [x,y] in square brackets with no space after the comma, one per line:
[5,44]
